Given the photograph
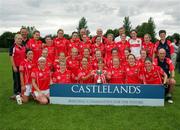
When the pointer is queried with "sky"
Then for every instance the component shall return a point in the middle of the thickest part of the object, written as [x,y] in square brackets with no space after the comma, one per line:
[50,15]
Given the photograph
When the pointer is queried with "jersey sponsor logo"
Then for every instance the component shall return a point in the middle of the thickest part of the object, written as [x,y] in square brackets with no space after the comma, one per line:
[40,74]
[29,66]
[58,77]
[33,45]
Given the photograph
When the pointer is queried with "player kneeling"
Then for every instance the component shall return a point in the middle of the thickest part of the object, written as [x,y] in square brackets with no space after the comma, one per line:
[152,74]
[25,69]
[41,81]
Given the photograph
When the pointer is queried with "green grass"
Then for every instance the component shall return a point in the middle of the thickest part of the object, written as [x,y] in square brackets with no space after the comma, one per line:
[32,116]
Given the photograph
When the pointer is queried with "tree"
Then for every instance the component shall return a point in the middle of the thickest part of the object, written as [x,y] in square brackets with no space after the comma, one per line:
[174,36]
[108,32]
[115,32]
[7,39]
[147,27]
[169,37]
[83,24]
[151,29]
[67,36]
[142,29]
[127,25]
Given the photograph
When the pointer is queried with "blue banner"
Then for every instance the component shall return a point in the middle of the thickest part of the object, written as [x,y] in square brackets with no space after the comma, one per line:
[107,94]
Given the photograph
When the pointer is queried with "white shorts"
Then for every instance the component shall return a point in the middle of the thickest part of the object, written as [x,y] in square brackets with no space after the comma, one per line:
[28,90]
[45,92]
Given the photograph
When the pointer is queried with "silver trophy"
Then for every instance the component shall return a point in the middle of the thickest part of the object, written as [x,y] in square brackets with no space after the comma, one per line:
[99,72]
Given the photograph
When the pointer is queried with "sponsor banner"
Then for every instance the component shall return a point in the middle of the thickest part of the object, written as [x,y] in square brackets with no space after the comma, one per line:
[107,94]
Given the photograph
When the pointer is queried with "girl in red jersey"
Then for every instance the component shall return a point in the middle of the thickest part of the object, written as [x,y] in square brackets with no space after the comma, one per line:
[41,81]
[86,54]
[122,45]
[50,47]
[98,45]
[35,45]
[84,75]
[45,54]
[85,43]
[116,72]
[73,63]
[152,74]
[124,60]
[60,43]
[142,58]
[61,57]
[100,75]
[148,45]
[74,43]
[132,71]
[62,75]
[109,45]
[109,60]
[98,55]
[25,69]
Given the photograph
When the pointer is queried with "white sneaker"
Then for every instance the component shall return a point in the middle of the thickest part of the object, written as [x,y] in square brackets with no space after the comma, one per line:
[18,99]
[170,101]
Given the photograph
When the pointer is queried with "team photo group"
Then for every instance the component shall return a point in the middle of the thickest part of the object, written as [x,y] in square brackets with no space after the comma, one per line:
[89,60]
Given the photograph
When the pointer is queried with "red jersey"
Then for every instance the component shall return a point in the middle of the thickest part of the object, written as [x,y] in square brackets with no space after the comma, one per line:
[117,75]
[103,39]
[108,48]
[60,45]
[149,47]
[18,53]
[84,72]
[26,67]
[73,44]
[90,60]
[132,74]
[73,65]
[124,62]
[95,47]
[49,63]
[51,53]
[95,64]
[154,76]
[36,47]
[84,45]
[109,62]
[56,65]
[59,77]
[121,47]
[42,78]
[140,63]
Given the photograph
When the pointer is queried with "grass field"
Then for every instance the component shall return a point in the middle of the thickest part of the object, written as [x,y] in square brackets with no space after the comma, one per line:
[32,116]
